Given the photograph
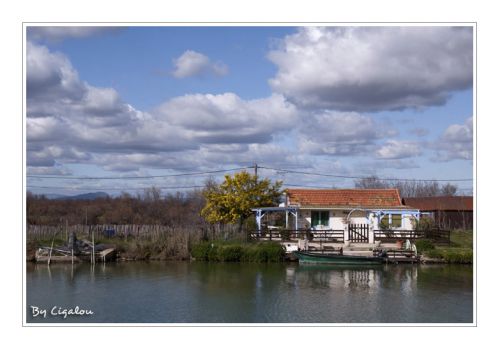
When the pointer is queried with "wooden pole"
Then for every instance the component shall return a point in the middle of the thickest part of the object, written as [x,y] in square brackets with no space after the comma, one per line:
[51,247]
[93,248]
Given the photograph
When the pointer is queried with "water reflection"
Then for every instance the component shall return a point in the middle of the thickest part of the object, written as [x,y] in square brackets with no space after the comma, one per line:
[203,292]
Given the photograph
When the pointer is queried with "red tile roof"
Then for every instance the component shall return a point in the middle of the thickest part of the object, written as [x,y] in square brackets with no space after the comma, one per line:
[366,198]
[465,203]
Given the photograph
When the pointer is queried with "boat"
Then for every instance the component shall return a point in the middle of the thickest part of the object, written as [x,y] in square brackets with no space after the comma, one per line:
[62,254]
[76,250]
[312,257]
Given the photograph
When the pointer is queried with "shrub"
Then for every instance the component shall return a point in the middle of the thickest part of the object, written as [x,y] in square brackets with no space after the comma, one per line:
[424,245]
[253,253]
[213,252]
[200,251]
[230,253]
[425,224]
[452,256]
[458,256]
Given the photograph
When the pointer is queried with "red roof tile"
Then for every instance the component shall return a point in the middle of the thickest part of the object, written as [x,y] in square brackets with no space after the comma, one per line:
[367,198]
[441,203]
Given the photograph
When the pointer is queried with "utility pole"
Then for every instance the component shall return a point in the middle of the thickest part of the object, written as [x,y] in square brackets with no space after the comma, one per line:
[255,166]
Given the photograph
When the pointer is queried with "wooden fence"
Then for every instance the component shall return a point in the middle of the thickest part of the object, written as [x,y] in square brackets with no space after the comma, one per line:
[337,236]
[294,235]
[436,235]
[43,232]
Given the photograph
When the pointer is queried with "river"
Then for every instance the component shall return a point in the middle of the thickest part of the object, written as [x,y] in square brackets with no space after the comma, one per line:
[196,292]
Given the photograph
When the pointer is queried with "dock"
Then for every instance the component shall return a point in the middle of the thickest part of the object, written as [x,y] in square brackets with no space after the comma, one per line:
[397,256]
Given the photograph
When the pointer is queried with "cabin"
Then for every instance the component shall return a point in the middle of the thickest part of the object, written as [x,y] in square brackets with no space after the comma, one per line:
[333,209]
[343,210]
[448,212]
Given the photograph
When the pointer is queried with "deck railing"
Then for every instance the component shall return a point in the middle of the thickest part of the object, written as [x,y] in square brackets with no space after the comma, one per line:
[288,235]
[436,235]
[337,236]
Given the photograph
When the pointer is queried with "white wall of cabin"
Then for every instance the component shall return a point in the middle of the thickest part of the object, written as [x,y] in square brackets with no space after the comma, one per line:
[336,219]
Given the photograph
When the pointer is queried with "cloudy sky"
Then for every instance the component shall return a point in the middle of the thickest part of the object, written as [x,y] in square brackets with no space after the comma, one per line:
[126,108]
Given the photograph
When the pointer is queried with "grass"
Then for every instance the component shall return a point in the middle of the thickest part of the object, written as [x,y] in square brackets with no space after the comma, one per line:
[236,251]
[460,250]
[462,239]
[162,247]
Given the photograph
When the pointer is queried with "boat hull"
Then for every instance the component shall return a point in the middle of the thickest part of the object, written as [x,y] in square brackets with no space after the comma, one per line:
[336,259]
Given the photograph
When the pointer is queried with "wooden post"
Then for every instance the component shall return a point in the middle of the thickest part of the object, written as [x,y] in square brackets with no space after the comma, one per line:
[93,248]
[51,247]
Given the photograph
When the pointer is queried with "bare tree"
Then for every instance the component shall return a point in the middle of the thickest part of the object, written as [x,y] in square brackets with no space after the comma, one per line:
[409,188]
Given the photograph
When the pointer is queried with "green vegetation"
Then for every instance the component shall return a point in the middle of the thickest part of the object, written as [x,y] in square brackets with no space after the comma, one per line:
[452,255]
[424,245]
[425,224]
[458,252]
[242,252]
[462,239]
[232,201]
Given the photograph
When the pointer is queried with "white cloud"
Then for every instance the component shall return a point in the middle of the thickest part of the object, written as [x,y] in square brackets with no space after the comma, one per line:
[192,63]
[341,133]
[50,75]
[394,149]
[226,118]
[373,68]
[455,143]
[52,170]
[58,33]
[67,114]
[80,123]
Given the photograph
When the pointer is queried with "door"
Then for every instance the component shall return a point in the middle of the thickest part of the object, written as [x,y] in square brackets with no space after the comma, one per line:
[358,233]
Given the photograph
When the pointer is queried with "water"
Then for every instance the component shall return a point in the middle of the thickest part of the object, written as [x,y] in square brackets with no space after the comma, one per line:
[167,292]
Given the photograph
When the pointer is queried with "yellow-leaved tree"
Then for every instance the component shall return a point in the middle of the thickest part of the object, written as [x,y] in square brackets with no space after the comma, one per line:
[232,201]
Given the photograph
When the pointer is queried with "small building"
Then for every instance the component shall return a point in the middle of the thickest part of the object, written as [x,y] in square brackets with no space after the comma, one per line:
[333,209]
[448,212]
[341,209]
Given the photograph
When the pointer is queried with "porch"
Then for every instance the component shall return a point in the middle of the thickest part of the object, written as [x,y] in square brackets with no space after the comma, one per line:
[361,234]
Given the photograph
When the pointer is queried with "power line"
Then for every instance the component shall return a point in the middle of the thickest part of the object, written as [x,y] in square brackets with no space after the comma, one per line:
[255,167]
[132,177]
[116,189]
[360,177]
[174,188]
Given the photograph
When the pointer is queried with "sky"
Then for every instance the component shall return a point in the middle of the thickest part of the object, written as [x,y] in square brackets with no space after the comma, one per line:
[126,108]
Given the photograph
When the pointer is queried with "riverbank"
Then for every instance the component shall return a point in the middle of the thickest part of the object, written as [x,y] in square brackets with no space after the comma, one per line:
[460,250]
[133,249]
[174,247]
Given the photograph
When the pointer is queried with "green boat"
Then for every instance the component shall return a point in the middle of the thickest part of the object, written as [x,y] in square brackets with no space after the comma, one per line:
[308,257]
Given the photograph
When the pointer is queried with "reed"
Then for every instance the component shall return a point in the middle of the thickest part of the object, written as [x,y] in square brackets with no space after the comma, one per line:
[219,251]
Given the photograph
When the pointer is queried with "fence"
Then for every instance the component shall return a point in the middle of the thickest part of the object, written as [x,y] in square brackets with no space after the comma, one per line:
[357,234]
[436,235]
[149,232]
[295,235]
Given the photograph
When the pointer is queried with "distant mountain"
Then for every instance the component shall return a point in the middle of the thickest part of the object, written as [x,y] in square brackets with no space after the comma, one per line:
[53,196]
[87,196]
[83,196]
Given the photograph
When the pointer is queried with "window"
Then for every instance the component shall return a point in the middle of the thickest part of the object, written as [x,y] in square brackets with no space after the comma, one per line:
[396,221]
[320,218]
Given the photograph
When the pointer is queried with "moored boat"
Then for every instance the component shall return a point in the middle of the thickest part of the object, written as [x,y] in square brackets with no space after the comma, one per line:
[309,257]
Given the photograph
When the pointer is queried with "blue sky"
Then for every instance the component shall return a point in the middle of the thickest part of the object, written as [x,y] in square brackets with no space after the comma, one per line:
[396,102]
